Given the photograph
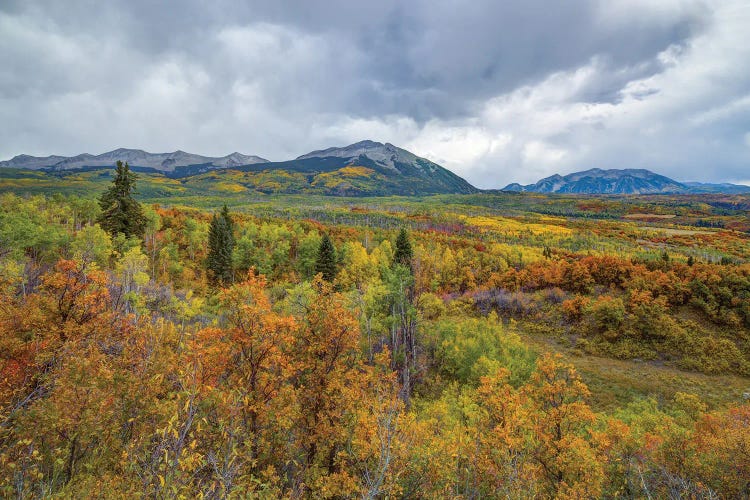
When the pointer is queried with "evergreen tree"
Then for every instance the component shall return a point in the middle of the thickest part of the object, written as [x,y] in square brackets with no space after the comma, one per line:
[326,261]
[400,283]
[403,254]
[690,261]
[121,213]
[230,223]
[220,246]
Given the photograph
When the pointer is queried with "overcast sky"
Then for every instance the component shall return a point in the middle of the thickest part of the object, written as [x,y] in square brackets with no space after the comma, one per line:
[497,91]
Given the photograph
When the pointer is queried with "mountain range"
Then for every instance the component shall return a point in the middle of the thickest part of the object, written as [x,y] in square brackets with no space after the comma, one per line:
[366,168]
[163,162]
[621,181]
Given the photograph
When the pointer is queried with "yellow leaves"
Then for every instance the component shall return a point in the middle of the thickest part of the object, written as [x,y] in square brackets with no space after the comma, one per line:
[522,439]
[229,187]
[560,419]
[359,267]
[337,177]
[552,226]
[690,404]
[355,171]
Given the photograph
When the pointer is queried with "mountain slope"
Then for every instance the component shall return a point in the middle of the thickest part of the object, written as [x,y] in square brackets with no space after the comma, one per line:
[404,172]
[366,168]
[164,162]
[626,181]
[31,162]
[386,155]
[723,188]
[598,181]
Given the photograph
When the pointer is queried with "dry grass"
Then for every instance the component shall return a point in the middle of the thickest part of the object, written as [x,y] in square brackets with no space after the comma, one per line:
[670,231]
[614,383]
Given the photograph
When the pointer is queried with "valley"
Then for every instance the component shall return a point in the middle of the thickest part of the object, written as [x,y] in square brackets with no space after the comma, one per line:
[375,250]
[633,309]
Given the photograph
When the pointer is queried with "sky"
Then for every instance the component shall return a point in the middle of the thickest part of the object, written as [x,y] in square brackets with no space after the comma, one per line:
[497,91]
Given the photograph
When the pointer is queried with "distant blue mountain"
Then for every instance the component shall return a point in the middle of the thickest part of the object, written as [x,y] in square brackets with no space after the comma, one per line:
[724,188]
[624,181]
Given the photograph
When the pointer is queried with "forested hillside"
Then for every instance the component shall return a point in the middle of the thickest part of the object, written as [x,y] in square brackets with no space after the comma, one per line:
[476,346]
[366,168]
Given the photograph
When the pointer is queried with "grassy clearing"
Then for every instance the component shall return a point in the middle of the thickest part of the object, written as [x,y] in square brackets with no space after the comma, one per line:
[614,383]
[670,231]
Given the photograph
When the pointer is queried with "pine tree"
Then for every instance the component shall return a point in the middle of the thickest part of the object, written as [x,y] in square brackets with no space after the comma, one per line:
[326,261]
[400,283]
[230,223]
[220,247]
[403,254]
[121,213]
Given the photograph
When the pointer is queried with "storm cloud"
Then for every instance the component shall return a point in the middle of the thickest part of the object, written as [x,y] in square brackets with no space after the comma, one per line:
[496,91]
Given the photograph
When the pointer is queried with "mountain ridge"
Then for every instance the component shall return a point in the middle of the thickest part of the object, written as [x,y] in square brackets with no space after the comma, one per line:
[166,162]
[365,168]
[381,169]
[621,181]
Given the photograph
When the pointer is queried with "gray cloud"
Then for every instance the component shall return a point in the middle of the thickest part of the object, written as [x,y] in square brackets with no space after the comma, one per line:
[497,91]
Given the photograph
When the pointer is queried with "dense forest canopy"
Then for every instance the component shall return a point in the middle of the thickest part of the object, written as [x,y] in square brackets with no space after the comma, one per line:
[456,346]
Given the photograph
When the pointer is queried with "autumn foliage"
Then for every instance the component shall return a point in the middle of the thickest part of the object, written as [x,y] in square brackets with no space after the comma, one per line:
[424,366]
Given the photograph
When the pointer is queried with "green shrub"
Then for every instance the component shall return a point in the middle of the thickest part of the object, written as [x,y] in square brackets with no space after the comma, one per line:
[468,349]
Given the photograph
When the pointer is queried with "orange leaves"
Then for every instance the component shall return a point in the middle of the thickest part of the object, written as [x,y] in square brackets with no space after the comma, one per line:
[505,414]
[722,442]
[209,355]
[508,442]
[75,296]
[295,387]
[561,382]
[72,305]
[560,419]
[574,308]
[249,357]
[20,345]
[325,355]
[608,269]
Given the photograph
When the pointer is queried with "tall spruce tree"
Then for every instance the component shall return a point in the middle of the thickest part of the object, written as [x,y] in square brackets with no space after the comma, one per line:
[224,214]
[403,254]
[400,283]
[326,260]
[121,213]
[220,246]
